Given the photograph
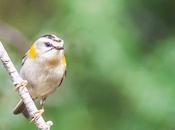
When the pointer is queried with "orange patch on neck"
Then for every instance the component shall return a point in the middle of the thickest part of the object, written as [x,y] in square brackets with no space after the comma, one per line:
[53,61]
[32,52]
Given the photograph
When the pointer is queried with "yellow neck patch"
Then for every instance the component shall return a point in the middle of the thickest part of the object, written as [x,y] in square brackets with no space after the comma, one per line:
[32,52]
[63,60]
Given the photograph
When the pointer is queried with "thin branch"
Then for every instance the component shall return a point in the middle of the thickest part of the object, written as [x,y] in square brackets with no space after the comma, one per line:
[22,90]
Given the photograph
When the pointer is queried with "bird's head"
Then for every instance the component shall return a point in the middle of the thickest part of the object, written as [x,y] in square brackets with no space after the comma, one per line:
[47,47]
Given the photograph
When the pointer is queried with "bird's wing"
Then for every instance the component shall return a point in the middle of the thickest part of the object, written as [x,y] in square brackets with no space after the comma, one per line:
[63,77]
[24,58]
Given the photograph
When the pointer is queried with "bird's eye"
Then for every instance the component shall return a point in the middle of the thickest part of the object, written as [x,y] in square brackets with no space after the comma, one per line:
[47,44]
[59,40]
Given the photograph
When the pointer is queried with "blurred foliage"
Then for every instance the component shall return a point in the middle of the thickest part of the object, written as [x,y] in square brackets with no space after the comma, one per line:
[120,54]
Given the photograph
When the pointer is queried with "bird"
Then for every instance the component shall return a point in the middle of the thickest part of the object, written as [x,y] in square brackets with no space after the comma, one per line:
[44,68]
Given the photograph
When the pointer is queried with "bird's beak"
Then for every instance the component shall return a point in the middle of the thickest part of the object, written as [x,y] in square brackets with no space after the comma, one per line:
[61,48]
[58,48]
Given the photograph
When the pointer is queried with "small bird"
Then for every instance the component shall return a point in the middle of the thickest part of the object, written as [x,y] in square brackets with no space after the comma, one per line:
[44,67]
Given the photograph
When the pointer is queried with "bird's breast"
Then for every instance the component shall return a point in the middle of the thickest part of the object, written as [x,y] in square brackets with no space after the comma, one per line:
[42,80]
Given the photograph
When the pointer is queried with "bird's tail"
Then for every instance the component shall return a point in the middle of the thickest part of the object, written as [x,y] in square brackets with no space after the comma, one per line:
[21,108]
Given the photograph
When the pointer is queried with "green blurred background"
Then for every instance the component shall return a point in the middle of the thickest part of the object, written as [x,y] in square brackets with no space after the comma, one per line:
[121,58]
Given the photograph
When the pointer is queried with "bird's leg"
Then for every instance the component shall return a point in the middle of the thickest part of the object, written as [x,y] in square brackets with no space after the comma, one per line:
[42,101]
[21,85]
[41,111]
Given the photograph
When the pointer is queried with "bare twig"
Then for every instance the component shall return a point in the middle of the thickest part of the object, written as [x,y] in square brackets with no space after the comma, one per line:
[22,90]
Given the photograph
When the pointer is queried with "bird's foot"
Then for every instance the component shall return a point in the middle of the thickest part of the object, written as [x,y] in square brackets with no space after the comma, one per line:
[37,114]
[21,85]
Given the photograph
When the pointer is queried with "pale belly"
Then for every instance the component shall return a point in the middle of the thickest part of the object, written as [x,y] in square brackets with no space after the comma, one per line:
[41,83]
